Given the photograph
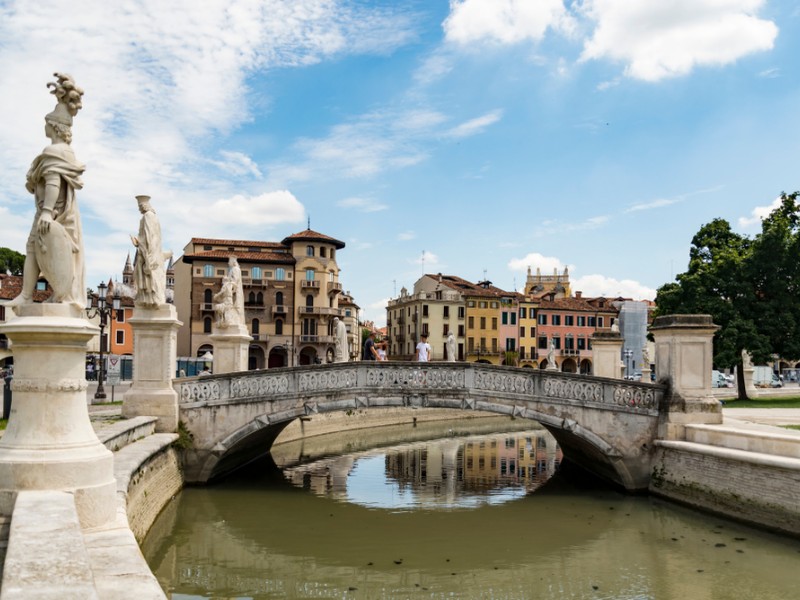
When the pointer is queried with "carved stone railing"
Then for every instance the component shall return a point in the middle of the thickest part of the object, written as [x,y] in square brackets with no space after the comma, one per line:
[465,379]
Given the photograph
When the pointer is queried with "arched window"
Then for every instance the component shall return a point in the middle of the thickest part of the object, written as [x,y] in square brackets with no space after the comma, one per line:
[280,274]
[309,274]
[251,298]
[322,251]
[254,326]
[255,273]
[279,298]
[309,300]
[259,298]
[309,250]
[208,270]
[207,296]
[207,325]
[279,327]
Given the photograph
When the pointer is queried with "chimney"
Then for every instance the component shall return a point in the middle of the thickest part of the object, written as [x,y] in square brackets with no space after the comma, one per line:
[578,294]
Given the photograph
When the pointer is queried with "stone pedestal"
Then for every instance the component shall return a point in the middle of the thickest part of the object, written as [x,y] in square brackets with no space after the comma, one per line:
[749,386]
[49,443]
[230,349]
[684,351]
[155,332]
[606,350]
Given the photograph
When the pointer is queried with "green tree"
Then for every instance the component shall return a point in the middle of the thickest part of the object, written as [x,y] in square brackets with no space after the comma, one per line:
[11,261]
[749,287]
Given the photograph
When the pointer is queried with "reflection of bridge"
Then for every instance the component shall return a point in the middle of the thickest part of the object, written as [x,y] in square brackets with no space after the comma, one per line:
[605,425]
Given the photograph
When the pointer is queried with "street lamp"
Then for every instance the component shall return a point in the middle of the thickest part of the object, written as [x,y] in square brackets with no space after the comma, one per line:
[103,310]
[628,354]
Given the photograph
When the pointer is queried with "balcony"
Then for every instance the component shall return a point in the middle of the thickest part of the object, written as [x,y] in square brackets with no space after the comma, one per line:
[320,310]
[307,284]
[259,283]
[207,306]
[260,337]
[317,339]
[279,309]
[334,287]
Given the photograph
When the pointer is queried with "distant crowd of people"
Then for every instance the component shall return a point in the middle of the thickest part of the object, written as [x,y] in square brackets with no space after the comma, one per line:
[378,350]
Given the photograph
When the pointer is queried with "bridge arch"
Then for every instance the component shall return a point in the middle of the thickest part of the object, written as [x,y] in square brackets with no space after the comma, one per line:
[604,425]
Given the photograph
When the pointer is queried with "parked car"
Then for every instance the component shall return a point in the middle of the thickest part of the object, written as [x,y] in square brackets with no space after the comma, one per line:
[719,379]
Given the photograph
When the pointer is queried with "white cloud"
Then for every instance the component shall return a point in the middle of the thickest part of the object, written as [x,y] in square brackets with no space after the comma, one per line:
[504,21]
[476,125]
[405,236]
[426,258]
[14,228]
[362,204]
[534,261]
[658,203]
[600,285]
[666,39]
[758,214]
[770,73]
[237,163]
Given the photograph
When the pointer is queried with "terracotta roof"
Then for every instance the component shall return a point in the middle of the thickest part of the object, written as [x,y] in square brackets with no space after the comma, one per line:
[274,257]
[312,236]
[578,304]
[11,286]
[470,289]
[248,243]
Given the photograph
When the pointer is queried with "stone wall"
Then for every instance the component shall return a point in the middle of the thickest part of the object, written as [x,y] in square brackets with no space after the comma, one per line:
[151,488]
[756,488]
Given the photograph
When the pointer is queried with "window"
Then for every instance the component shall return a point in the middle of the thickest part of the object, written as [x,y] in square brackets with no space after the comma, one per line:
[581,343]
[279,298]
[494,344]
[208,270]
[280,274]
[332,253]
[513,318]
[556,342]
[348,312]
[251,298]
[330,276]
[446,312]
[569,320]
[521,332]
[471,322]
[533,331]
[278,326]
[591,322]
[254,326]
[522,312]
[445,329]
[556,320]
[542,319]
[494,322]
[425,329]
[569,343]
[471,304]
[482,304]
[207,248]
[511,345]
[542,344]
[461,332]
[259,298]
[483,343]
[505,318]
[483,322]
[461,311]
[119,334]
[255,272]
[207,325]
[424,310]
[600,321]
[522,352]
[322,252]
[119,315]
[207,296]
[309,274]
[470,344]
[581,321]
[495,304]
[309,300]
[309,250]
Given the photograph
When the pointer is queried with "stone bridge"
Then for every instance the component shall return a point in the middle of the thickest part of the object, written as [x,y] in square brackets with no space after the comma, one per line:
[608,426]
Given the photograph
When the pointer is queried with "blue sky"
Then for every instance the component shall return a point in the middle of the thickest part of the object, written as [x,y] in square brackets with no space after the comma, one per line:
[463,137]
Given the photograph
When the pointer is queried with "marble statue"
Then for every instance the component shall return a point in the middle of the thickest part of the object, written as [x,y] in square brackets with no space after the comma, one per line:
[54,248]
[615,327]
[224,308]
[645,358]
[149,272]
[747,361]
[451,347]
[551,356]
[340,337]
[235,275]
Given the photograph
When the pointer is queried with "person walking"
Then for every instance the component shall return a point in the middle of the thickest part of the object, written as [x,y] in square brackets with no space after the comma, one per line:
[369,348]
[423,349]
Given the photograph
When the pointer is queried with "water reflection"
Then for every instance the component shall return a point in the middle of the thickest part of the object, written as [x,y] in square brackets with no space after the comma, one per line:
[440,474]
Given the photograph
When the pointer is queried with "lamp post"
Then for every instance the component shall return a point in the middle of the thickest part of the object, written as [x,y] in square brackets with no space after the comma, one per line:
[628,354]
[103,310]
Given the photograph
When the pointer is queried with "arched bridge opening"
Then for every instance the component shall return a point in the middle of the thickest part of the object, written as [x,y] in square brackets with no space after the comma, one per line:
[605,425]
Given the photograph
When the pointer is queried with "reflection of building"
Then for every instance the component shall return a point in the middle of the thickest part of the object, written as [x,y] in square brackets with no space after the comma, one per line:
[291,292]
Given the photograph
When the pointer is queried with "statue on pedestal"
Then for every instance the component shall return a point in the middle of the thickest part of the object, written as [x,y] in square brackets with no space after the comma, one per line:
[747,362]
[340,337]
[224,308]
[551,356]
[235,275]
[451,347]
[55,244]
[149,273]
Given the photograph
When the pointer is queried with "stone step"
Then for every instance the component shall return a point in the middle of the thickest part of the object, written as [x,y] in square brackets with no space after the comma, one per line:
[129,460]
[117,435]
[774,441]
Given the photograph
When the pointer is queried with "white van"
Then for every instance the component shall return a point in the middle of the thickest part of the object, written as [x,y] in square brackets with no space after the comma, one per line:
[718,380]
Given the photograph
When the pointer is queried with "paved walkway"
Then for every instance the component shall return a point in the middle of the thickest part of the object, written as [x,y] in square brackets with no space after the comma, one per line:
[764,416]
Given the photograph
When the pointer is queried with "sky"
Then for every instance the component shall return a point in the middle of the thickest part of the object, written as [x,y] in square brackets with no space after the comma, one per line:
[473,137]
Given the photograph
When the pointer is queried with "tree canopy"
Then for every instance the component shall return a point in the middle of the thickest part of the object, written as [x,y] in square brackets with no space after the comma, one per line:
[11,261]
[750,287]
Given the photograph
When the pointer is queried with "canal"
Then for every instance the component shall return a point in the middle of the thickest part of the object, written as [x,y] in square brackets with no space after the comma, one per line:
[464,514]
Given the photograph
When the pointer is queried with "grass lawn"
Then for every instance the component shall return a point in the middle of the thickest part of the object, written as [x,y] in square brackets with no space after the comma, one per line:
[791,402]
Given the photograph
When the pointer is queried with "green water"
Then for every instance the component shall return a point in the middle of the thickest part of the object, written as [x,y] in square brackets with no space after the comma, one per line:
[442,520]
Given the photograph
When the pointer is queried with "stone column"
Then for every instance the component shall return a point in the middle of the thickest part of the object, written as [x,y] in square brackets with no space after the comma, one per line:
[606,350]
[684,350]
[230,349]
[50,443]
[155,332]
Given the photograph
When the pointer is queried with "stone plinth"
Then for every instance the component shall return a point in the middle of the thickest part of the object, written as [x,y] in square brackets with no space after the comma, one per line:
[155,333]
[749,387]
[49,443]
[606,350]
[230,349]
[684,360]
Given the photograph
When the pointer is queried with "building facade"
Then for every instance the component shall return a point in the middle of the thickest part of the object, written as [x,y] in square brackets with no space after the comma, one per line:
[291,292]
